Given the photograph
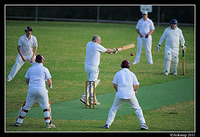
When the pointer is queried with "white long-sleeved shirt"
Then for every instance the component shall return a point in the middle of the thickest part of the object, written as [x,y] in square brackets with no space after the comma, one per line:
[172,38]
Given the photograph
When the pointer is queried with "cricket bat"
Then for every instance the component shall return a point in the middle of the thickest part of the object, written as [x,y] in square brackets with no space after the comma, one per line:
[126,47]
[183,64]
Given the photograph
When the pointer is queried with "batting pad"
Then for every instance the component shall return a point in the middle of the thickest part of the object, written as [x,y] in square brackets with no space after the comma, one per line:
[149,97]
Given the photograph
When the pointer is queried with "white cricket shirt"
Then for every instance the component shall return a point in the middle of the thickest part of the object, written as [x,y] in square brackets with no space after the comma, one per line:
[125,79]
[27,45]
[93,51]
[37,75]
[172,38]
[145,26]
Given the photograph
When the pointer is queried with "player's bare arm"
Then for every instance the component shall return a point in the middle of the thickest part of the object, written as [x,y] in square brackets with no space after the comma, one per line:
[136,88]
[27,81]
[115,87]
[49,82]
[149,33]
[20,53]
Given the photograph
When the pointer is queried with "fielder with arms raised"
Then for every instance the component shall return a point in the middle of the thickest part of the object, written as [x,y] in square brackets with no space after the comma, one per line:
[123,84]
[35,78]
[172,35]
[92,61]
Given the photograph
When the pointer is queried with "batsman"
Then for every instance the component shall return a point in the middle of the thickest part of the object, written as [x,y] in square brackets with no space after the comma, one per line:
[92,61]
[172,35]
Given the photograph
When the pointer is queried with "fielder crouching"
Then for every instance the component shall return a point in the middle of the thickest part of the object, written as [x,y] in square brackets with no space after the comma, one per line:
[123,84]
[35,78]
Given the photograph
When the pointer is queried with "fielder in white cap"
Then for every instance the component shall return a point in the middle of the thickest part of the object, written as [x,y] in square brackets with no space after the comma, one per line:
[144,28]
[25,47]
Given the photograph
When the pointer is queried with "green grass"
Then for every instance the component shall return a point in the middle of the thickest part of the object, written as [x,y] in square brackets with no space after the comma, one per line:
[169,118]
[63,46]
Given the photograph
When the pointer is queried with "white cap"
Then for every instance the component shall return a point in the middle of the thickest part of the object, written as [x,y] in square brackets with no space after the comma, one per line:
[144,12]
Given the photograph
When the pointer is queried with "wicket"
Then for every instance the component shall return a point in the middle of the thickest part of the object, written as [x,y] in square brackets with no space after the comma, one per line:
[86,85]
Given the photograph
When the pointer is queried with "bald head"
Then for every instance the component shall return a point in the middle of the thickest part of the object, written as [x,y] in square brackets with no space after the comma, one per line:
[96,39]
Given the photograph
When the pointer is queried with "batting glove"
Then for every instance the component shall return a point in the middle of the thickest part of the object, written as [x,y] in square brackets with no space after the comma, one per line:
[158,47]
[116,50]
[183,48]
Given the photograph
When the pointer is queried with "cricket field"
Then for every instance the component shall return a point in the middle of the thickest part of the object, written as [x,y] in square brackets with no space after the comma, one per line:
[168,102]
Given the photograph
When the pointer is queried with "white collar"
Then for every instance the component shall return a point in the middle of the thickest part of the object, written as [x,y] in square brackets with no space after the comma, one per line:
[145,20]
[39,64]
[125,69]
[26,37]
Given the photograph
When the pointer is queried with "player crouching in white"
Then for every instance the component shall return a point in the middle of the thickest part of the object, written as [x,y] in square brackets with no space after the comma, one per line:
[25,52]
[172,35]
[35,78]
[123,84]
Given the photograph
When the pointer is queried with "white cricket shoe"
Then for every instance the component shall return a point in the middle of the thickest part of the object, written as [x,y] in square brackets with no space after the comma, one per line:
[144,127]
[166,73]
[106,126]
[83,101]
[50,125]
[8,79]
[96,102]
[174,73]
[135,62]
[17,124]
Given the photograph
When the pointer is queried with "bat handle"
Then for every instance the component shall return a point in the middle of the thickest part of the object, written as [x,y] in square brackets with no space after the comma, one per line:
[183,65]
[183,52]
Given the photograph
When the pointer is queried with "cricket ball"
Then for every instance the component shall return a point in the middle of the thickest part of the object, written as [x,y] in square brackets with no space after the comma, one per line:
[132,54]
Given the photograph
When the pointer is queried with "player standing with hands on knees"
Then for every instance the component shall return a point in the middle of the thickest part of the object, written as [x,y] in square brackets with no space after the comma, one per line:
[144,28]
[35,78]
[92,61]
[172,35]
[123,84]
[25,51]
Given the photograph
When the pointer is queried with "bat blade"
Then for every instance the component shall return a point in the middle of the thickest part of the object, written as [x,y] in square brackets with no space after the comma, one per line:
[183,66]
[126,47]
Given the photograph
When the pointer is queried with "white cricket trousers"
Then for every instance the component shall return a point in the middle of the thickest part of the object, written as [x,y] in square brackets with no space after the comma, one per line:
[171,58]
[147,42]
[18,64]
[133,102]
[41,94]
[92,75]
